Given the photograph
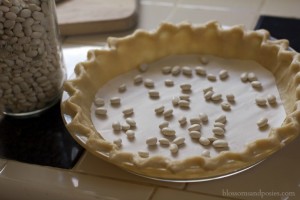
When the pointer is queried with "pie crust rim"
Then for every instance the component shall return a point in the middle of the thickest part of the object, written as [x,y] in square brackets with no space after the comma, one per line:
[209,38]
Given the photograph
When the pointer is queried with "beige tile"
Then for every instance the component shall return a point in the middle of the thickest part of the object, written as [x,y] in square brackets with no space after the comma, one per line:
[237,5]
[163,193]
[286,8]
[24,181]
[89,164]
[279,173]
[225,17]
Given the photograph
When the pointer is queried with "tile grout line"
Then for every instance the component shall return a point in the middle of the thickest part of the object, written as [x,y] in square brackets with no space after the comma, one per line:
[152,194]
[145,183]
[172,11]
[258,11]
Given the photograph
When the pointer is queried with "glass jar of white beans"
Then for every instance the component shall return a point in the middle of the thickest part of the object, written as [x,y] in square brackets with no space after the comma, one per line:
[31,64]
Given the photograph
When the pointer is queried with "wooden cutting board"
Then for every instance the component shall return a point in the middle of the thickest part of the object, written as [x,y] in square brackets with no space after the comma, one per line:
[95,16]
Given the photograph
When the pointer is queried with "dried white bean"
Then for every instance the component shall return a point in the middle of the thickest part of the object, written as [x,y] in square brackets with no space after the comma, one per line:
[220,143]
[118,142]
[182,121]
[203,117]
[260,101]
[151,141]
[262,122]
[128,111]
[226,106]
[173,148]
[218,131]
[101,111]
[216,97]
[153,93]
[25,13]
[175,101]
[116,126]
[211,77]
[205,153]
[130,134]
[125,127]
[184,104]
[169,83]
[195,134]
[168,113]
[179,140]
[149,83]
[175,70]
[256,84]
[168,131]
[166,69]
[131,122]
[186,70]
[185,87]
[244,77]
[251,77]
[221,118]
[195,120]
[163,125]
[115,100]
[194,127]
[184,97]
[230,97]
[208,95]
[99,102]
[164,141]
[223,74]
[212,138]
[200,71]
[4,8]
[138,79]
[205,90]
[10,15]
[143,154]
[159,110]
[219,124]
[271,99]
[204,141]
[39,16]
[122,88]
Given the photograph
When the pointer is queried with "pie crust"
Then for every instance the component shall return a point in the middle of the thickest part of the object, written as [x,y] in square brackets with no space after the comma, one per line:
[124,54]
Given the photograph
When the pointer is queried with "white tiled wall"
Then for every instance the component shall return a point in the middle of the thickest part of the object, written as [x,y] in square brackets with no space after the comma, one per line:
[286,8]
[93,178]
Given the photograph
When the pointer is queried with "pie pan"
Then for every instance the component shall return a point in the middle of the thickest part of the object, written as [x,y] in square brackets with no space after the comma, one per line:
[124,54]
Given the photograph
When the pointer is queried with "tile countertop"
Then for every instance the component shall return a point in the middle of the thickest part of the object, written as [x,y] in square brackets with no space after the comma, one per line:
[278,177]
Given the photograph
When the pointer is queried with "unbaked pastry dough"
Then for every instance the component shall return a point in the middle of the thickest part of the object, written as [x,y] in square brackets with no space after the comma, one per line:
[124,54]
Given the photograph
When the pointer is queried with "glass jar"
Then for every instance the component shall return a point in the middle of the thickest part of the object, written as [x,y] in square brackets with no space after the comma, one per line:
[31,63]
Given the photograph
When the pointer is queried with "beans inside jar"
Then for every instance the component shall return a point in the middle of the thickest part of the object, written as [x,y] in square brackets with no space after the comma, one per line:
[31,69]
